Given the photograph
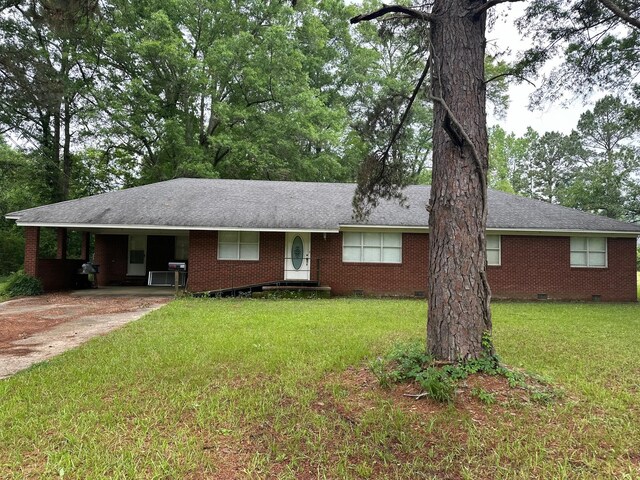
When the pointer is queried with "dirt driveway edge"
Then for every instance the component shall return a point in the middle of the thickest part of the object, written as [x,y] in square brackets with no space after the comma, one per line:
[64,333]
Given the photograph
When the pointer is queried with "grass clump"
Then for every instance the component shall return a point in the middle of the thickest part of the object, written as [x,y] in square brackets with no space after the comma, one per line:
[19,284]
[409,363]
[484,396]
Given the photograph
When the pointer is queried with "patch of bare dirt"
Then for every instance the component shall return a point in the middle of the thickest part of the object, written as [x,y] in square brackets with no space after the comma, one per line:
[359,381]
[22,318]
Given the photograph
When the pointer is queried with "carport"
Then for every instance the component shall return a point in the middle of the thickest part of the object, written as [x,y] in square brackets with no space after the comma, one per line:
[126,258]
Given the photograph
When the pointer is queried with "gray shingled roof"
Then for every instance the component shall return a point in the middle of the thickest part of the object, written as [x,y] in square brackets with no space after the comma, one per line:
[211,204]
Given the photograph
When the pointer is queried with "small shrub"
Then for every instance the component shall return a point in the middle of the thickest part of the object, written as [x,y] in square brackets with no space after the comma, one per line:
[485,397]
[19,284]
[379,369]
[515,379]
[544,397]
[409,362]
[437,384]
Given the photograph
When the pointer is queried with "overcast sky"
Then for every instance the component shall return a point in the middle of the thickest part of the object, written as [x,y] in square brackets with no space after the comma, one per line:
[519,117]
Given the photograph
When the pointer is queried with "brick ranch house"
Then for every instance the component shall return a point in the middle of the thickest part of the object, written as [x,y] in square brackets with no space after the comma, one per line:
[234,233]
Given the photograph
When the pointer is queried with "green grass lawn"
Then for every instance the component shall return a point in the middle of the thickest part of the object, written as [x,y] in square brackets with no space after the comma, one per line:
[276,389]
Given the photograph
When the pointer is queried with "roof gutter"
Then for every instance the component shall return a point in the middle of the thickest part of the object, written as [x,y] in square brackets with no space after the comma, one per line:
[500,231]
[385,228]
[342,228]
[563,232]
[92,226]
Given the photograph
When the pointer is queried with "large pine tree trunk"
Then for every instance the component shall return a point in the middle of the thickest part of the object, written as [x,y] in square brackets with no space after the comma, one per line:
[459,295]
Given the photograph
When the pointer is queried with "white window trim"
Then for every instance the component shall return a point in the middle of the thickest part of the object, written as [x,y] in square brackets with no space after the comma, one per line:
[493,249]
[238,243]
[381,248]
[588,251]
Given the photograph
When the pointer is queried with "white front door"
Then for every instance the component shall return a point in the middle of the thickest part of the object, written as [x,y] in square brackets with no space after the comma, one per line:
[297,256]
[137,263]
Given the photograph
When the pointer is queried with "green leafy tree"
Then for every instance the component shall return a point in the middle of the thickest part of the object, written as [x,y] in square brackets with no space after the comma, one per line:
[548,167]
[43,78]
[381,117]
[15,194]
[609,170]
[242,90]
[507,154]
[598,41]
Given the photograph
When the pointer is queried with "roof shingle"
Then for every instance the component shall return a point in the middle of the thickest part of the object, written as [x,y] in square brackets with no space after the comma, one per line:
[211,204]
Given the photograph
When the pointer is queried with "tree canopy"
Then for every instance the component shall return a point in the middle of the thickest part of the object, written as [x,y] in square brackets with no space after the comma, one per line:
[597,41]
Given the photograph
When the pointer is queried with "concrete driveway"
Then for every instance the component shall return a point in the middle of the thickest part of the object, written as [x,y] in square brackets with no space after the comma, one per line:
[35,329]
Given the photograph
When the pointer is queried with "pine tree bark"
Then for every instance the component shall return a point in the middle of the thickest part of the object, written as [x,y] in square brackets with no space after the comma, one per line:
[459,295]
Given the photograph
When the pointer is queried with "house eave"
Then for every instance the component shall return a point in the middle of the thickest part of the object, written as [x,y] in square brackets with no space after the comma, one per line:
[384,228]
[95,226]
[495,231]
[561,232]
[341,228]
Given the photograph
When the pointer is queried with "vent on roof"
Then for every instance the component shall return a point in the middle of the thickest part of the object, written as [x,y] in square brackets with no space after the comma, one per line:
[419,294]
[543,296]
[595,298]
[358,293]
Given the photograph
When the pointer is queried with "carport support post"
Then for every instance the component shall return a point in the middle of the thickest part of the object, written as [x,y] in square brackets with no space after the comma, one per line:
[61,234]
[86,246]
[31,250]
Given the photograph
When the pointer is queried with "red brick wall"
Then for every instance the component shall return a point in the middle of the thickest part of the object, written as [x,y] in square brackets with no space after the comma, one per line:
[31,248]
[55,274]
[530,265]
[533,265]
[206,272]
[405,278]
[111,255]
[60,274]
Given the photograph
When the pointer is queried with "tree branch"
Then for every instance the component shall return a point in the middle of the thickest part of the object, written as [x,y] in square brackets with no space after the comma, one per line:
[417,396]
[465,137]
[392,9]
[491,3]
[620,13]
[510,74]
[409,105]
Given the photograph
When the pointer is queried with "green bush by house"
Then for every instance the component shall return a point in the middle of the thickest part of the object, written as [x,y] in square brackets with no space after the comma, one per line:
[20,284]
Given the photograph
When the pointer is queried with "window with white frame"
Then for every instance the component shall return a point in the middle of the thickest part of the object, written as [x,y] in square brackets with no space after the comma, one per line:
[493,249]
[589,252]
[238,245]
[372,247]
